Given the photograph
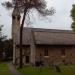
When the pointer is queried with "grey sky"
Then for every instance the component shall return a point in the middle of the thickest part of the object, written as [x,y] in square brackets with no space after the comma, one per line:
[60,20]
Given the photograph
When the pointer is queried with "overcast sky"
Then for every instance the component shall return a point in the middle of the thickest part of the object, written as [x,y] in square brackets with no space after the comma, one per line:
[60,20]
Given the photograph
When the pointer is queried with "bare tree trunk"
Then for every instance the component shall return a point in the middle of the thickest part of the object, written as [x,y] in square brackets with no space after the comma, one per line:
[21,32]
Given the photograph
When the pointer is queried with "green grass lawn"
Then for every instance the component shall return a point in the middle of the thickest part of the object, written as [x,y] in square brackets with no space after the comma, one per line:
[3,69]
[65,70]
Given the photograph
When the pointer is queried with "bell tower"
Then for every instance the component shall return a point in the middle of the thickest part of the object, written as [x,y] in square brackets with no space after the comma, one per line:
[15,28]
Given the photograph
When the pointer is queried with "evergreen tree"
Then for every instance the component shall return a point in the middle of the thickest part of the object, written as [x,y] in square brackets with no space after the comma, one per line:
[2,39]
[73,17]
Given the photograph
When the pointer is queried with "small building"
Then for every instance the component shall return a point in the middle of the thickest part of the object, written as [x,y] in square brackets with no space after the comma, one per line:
[45,45]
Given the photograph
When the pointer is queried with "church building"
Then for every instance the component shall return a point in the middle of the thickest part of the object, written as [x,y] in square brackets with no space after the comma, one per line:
[45,45]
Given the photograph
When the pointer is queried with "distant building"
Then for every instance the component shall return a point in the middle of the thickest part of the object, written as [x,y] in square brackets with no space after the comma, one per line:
[45,45]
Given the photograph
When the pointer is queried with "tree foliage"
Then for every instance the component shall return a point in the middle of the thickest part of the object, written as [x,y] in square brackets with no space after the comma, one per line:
[8,49]
[2,37]
[73,17]
[5,45]
[39,5]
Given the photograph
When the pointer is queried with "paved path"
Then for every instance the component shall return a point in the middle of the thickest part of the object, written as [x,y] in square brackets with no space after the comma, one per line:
[12,70]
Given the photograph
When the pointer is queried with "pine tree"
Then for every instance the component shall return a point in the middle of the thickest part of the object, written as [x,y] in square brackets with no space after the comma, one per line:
[73,17]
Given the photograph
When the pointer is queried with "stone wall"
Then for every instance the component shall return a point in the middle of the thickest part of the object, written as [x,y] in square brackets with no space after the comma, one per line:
[54,55]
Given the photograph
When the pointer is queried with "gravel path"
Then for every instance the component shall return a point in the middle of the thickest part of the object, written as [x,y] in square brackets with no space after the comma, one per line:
[12,70]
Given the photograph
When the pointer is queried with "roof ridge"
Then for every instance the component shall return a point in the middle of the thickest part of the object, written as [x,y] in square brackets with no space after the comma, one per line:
[51,30]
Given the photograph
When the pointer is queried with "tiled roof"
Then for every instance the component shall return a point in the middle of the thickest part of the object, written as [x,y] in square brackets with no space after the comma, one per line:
[48,36]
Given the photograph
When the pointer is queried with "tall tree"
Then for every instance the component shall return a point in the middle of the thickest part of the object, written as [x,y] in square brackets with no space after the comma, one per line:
[2,38]
[24,6]
[5,45]
[73,17]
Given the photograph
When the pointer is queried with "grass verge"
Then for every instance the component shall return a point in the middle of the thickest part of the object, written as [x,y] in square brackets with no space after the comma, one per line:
[3,69]
[65,70]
